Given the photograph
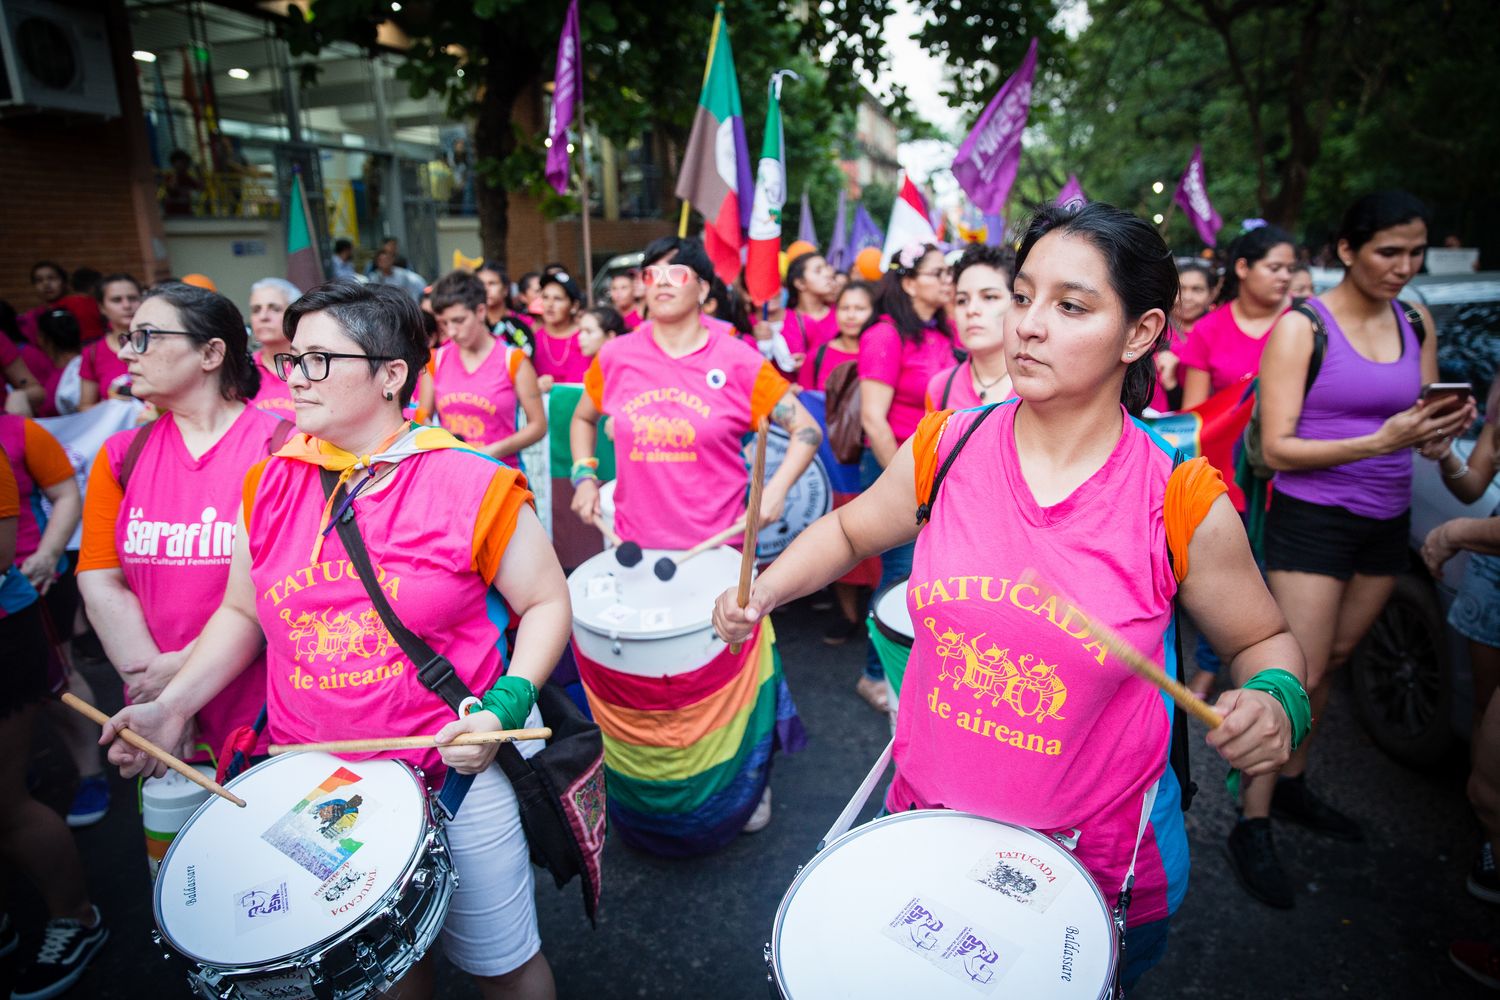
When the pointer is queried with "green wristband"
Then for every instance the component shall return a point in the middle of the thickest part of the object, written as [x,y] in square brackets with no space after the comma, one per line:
[511,699]
[1292,696]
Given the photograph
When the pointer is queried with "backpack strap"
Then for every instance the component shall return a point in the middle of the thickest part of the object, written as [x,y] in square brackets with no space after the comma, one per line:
[133,453]
[281,435]
[948,386]
[1320,344]
[1414,318]
[818,361]
[924,509]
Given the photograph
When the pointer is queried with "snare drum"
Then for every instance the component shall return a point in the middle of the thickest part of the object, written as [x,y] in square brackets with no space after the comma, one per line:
[893,626]
[607,508]
[331,883]
[942,904]
[810,497]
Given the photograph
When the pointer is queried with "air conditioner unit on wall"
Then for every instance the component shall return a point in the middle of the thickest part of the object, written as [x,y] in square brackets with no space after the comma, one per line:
[55,58]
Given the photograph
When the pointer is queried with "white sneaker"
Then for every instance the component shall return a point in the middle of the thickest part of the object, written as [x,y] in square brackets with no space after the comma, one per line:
[761,818]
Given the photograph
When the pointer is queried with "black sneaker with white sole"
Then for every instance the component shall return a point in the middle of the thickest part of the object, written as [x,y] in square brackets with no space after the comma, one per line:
[1484,880]
[67,947]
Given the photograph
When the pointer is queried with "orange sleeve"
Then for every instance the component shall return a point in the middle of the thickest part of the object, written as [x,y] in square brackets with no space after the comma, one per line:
[767,392]
[101,509]
[593,384]
[1193,488]
[924,449]
[45,458]
[10,495]
[251,486]
[513,363]
[496,522]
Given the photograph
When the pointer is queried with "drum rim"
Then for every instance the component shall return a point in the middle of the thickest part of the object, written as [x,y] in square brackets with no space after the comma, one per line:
[802,875]
[433,832]
[900,638]
[636,635]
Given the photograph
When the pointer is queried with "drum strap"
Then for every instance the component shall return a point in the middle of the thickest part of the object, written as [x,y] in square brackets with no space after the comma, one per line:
[861,796]
[1122,902]
[434,670]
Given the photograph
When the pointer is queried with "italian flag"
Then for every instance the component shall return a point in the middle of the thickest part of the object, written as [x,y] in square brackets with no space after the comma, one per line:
[762,271]
[304,267]
[716,166]
[910,222]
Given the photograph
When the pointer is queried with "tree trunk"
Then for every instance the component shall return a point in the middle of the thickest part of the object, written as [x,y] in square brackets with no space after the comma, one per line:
[511,65]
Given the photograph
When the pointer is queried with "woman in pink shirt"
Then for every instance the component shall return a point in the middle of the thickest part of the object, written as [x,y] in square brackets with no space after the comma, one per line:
[479,380]
[855,313]
[980,301]
[1194,284]
[1092,291]
[459,548]
[810,320]
[159,511]
[557,357]
[1225,345]
[898,357]
[102,374]
[269,298]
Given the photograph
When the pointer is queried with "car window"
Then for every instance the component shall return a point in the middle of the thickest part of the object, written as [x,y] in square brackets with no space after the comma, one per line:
[1467,313]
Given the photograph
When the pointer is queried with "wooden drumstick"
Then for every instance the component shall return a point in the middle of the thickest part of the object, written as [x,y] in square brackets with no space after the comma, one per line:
[752,516]
[151,749]
[666,566]
[1127,654]
[379,744]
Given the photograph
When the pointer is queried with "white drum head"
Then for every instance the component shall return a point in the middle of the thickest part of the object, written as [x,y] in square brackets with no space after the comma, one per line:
[810,497]
[616,601]
[607,505]
[319,842]
[891,611]
[943,905]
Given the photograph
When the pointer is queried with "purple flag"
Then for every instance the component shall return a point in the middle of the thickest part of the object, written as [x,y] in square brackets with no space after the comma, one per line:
[838,243]
[567,91]
[864,232]
[1192,195]
[986,163]
[1072,192]
[805,230]
[994,226]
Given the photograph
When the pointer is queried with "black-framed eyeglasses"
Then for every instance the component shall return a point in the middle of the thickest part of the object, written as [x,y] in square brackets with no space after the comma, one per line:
[139,340]
[314,364]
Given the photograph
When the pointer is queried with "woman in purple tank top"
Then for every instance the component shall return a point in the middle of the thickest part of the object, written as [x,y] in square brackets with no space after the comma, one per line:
[1336,534]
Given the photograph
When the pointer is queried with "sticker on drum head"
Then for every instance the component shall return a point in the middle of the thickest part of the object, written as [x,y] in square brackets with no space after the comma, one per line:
[656,618]
[617,614]
[282,986]
[262,905]
[602,586]
[1029,880]
[952,942]
[315,833]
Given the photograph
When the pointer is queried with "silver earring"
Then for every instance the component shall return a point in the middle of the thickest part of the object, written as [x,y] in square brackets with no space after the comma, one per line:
[1130,354]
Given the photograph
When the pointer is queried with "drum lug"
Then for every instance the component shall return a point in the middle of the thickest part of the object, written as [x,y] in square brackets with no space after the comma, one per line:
[614,647]
[364,957]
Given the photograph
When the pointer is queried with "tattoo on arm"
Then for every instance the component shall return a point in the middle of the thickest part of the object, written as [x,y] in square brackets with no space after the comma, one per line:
[811,436]
[785,413]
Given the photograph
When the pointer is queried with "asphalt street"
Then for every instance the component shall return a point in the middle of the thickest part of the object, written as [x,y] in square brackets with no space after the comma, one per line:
[1372,919]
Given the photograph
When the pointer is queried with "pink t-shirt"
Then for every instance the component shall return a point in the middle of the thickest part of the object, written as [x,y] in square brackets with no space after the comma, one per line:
[102,366]
[36,361]
[885,356]
[478,407]
[804,335]
[333,671]
[38,461]
[814,374]
[173,537]
[960,394]
[680,422]
[1010,708]
[274,396]
[1218,346]
[559,357]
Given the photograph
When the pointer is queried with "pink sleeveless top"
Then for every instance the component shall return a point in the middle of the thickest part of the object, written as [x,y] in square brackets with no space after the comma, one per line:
[333,671]
[1009,708]
[559,357]
[478,407]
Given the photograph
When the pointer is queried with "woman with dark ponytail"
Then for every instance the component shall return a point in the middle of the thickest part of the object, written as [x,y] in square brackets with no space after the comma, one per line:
[1064,482]
[163,499]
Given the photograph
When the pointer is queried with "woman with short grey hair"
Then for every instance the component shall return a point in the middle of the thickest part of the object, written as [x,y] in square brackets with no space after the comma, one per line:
[269,298]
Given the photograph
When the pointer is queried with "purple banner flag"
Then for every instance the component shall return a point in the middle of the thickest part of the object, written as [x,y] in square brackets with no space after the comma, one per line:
[864,232]
[567,91]
[805,230]
[1192,195]
[1072,192]
[986,163]
[838,244]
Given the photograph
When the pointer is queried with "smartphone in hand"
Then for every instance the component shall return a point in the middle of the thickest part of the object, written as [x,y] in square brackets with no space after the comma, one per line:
[1444,396]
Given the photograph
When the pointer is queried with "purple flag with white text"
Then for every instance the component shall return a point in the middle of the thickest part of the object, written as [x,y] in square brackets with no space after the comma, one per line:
[1072,192]
[1192,195]
[986,163]
[567,89]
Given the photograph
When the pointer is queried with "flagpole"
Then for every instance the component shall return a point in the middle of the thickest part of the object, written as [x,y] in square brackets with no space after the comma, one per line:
[1166,219]
[583,191]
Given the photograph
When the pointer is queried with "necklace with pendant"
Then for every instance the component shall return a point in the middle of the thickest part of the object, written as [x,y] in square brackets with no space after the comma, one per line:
[985,387]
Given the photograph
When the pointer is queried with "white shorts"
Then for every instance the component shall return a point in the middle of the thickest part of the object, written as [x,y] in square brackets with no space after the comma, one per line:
[491,924]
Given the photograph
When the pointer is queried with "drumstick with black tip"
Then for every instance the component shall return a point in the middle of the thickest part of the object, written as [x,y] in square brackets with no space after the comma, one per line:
[666,566]
[1138,662]
[627,554]
[144,745]
[752,518]
[381,744]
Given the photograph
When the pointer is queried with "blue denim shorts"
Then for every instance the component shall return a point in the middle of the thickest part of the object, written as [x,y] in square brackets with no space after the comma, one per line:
[1475,614]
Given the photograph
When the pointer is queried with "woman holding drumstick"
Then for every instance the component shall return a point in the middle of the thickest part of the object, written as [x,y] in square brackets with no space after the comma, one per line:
[1011,707]
[457,548]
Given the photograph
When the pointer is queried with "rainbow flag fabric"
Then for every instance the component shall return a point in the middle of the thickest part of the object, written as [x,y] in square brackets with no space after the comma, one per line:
[686,757]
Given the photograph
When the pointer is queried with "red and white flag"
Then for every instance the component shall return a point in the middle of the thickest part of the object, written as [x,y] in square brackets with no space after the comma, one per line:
[910,222]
